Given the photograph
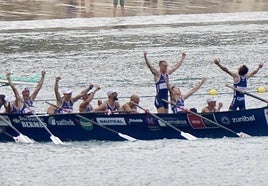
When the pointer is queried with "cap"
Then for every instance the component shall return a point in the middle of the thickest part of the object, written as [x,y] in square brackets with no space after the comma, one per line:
[211,100]
[109,92]
[67,91]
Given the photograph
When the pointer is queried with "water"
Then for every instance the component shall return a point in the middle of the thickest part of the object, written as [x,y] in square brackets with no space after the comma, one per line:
[109,52]
[170,162]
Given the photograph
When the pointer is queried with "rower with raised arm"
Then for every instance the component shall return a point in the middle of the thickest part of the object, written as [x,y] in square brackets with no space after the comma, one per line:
[240,81]
[66,102]
[85,106]
[24,103]
[159,79]
[177,98]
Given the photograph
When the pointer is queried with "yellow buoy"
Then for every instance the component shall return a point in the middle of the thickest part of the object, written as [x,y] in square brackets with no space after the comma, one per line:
[261,89]
[213,92]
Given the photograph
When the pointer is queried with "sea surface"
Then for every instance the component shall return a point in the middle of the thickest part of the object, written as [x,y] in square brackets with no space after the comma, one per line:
[108,51]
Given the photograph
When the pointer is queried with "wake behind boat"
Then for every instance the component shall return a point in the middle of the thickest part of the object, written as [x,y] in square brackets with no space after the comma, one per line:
[142,126]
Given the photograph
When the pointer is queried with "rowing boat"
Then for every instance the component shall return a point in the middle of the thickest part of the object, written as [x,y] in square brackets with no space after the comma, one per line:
[142,126]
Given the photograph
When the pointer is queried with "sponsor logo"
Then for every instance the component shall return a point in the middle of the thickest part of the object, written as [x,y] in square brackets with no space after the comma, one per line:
[111,121]
[177,122]
[62,122]
[243,119]
[135,121]
[31,124]
[225,120]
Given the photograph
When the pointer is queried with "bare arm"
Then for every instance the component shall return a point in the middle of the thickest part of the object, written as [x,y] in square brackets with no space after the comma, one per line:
[249,75]
[89,98]
[178,64]
[84,92]
[39,86]
[225,69]
[149,65]
[56,90]
[19,100]
[102,107]
[193,90]
[219,107]
[125,108]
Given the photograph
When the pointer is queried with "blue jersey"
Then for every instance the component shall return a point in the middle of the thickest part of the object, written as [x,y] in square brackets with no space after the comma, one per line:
[16,110]
[29,108]
[242,84]
[111,108]
[66,107]
[179,103]
[161,92]
[238,97]
[29,102]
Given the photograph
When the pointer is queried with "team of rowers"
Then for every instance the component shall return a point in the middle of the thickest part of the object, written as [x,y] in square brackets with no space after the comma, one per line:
[64,104]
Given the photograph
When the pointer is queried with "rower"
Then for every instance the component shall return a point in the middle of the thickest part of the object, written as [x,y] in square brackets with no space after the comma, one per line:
[65,103]
[111,104]
[211,107]
[239,81]
[131,106]
[24,103]
[85,106]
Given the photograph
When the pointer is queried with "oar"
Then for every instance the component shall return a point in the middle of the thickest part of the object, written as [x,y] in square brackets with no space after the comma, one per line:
[129,138]
[6,133]
[245,92]
[184,134]
[20,138]
[53,138]
[240,134]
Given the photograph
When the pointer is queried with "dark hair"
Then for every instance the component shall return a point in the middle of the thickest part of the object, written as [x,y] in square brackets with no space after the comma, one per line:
[243,70]
[162,61]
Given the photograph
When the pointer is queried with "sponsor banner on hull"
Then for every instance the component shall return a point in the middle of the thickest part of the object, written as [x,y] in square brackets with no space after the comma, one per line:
[111,121]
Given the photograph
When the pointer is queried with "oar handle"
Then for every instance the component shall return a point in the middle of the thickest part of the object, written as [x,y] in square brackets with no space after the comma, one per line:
[198,115]
[246,93]
[129,138]
[184,134]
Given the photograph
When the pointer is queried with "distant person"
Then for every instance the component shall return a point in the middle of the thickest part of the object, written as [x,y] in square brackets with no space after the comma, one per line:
[122,4]
[24,103]
[240,81]
[111,104]
[85,106]
[211,107]
[177,98]
[65,103]
[130,107]
[159,79]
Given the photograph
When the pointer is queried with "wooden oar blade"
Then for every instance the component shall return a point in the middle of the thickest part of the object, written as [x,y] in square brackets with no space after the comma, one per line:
[129,138]
[188,136]
[56,140]
[243,135]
